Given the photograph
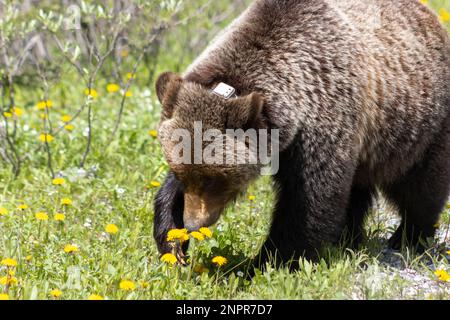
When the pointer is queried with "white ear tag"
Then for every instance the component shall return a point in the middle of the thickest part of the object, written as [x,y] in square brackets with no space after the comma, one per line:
[225,91]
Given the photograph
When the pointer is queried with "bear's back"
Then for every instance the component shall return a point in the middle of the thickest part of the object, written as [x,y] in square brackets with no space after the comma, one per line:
[377,69]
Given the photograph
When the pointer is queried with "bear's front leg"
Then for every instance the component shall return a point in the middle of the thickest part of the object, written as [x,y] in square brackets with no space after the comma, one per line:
[313,188]
[169,207]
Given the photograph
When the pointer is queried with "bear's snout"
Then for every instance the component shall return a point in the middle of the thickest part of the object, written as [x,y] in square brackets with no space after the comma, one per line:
[200,211]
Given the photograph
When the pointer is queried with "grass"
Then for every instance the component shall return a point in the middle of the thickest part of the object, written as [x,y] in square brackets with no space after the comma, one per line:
[115,188]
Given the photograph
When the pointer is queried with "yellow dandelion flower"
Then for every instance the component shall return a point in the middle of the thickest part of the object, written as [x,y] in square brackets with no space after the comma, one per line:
[3,211]
[200,269]
[111,228]
[251,198]
[58,181]
[442,275]
[45,137]
[219,260]
[70,248]
[424,2]
[144,284]
[198,235]
[127,285]
[95,297]
[66,118]
[41,105]
[69,127]
[91,92]
[155,184]
[43,116]
[112,87]
[41,216]
[9,262]
[28,258]
[22,206]
[8,281]
[444,15]
[66,201]
[153,133]
[17,111]
[4,280]
[439,272]
[55,293]
[7,114]
[178,234]
[169,258]
[128,94]
[131,75]
[59,217]
[4,296]
[206,232]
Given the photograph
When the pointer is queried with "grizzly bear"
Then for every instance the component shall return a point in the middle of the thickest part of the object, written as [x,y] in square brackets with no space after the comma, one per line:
[360,94]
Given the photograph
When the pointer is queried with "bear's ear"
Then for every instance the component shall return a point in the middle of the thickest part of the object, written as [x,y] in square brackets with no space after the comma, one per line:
[244,112]
[167,87]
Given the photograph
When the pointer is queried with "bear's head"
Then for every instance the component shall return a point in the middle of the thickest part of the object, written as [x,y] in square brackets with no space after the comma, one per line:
[195,119]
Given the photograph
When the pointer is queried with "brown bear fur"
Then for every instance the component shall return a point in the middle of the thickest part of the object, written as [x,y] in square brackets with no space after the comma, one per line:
[360,91]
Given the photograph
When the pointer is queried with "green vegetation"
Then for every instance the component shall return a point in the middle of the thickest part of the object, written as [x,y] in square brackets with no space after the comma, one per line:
[111,176]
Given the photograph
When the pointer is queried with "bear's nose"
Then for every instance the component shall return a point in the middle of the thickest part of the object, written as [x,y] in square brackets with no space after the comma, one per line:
[192,226]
